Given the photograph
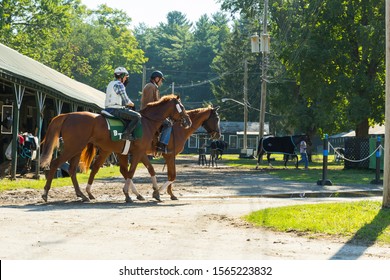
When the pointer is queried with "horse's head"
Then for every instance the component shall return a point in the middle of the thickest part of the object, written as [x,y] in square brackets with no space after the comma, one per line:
[169,106]
[179,113]
[212,124]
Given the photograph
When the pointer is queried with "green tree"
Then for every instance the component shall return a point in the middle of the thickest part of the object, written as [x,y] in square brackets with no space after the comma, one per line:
[229,64]
[334,53]
[106,42]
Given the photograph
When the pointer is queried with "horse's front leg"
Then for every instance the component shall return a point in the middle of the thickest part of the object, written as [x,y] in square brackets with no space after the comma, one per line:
[259,157]
[146,162]
[94,170]
[123,167]
[129,178]
[286,158]
[171,169]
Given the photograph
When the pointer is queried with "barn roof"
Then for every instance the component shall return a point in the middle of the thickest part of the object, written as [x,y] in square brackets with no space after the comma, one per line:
[238,128]
[22,69]
[373,130]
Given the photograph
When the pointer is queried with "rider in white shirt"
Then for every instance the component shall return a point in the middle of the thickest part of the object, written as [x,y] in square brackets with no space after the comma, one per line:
[119,104]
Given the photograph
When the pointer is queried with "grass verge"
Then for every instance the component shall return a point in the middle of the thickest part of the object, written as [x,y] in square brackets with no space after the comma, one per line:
[7,184]
[361,221]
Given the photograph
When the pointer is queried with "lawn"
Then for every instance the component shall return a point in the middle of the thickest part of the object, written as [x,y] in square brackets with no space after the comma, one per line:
[361,221]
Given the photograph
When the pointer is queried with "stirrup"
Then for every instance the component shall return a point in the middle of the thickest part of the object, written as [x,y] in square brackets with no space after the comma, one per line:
[129,137]
[162,148]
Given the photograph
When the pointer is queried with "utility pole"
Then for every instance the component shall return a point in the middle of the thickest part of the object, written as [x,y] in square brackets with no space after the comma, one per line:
[245,144]
[264,41]
[143,77]
[386,175]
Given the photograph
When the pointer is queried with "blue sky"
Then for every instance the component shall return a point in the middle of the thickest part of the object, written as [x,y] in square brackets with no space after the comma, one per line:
[152,12]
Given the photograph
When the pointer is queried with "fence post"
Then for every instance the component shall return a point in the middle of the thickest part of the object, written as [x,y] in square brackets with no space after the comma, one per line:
[378,163]
[325,154]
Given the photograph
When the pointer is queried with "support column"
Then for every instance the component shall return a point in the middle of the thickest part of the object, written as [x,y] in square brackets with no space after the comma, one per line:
[40,101]
[19,93]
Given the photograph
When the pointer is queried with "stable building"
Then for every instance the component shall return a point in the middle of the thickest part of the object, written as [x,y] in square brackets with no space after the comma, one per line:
[31,94]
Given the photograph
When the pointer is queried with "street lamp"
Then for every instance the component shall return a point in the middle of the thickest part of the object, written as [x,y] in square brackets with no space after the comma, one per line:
[245,145]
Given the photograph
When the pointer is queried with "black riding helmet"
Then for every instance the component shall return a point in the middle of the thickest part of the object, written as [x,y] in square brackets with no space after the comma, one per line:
[157,74]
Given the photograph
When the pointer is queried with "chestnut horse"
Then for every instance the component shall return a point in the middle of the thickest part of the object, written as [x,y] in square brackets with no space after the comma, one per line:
[80,128]
[206,117]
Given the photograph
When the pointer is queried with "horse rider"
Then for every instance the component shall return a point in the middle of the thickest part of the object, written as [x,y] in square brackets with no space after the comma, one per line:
[118,104]
[151,93]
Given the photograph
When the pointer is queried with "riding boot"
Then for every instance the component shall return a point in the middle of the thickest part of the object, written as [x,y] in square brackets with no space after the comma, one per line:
[127,133]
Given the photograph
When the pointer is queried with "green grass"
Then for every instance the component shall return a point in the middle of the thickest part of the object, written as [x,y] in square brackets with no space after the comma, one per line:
[359,221]
[7,184]
[336,172]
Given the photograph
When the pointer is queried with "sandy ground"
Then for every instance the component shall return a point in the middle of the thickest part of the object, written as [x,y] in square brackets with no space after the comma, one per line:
[204,224]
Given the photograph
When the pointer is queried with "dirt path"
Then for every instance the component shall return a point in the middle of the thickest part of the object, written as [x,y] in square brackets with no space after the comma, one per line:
[203,224]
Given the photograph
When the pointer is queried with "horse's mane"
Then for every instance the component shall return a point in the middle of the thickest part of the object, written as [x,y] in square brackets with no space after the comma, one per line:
[198,110]
[163,99]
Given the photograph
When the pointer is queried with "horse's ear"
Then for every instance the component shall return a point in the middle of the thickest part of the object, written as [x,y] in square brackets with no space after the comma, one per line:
[178,97]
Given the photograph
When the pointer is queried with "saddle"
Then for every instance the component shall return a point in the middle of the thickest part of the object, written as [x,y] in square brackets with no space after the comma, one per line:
[117,126]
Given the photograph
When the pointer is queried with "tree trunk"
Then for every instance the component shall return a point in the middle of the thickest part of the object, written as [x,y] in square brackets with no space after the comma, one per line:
[362,129]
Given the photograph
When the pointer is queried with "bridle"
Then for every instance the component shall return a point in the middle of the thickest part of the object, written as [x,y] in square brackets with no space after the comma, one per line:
[184,119]
[213,115]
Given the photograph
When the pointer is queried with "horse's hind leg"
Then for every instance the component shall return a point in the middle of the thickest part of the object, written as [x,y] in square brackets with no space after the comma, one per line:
[49,177]
[73,164]
[269,160]
[94,170]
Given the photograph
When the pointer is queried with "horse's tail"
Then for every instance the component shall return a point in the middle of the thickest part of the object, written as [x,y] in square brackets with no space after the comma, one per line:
[51,139]
[87,156]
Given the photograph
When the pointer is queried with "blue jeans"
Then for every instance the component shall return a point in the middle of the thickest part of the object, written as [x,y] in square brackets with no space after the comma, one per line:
[165,134]
[304,159]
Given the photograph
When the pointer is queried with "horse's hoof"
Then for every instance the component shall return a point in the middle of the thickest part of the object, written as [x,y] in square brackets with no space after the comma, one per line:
[129,200]
[91,196]
[174,197]
[84,199]
[44,197]
[156,195]
[140,197]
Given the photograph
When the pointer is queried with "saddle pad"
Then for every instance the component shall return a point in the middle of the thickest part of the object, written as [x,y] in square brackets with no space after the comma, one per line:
[116,128]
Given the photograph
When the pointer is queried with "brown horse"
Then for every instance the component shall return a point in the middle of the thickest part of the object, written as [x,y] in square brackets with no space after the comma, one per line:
[80,128]
[206,117]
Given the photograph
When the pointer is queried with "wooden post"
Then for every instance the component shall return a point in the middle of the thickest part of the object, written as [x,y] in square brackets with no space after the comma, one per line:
[386,175]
